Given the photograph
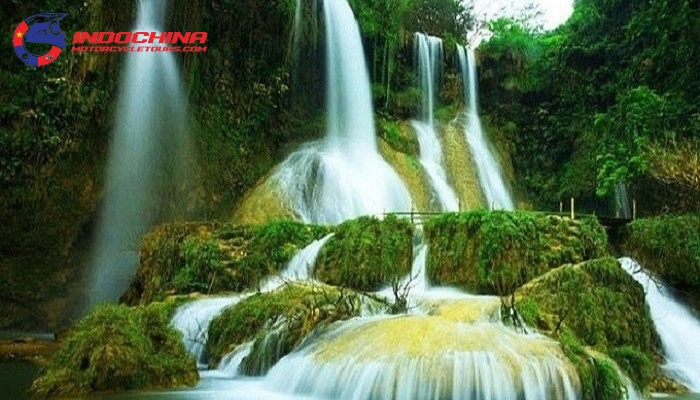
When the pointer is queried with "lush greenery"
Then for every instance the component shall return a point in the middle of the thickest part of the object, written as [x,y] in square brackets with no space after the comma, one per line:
[669,246]
[495,252]
[119,348]
[611,96]
[367,253]
[277,322]
[595,304]
[181,258]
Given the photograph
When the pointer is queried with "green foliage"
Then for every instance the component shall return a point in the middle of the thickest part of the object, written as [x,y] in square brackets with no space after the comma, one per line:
[180,258]
[277,322]
[495,252]
[589,98]
[595,304]
[669,246]
[637,364]
[119,348]
[399,139]
[367,253]
[600,380]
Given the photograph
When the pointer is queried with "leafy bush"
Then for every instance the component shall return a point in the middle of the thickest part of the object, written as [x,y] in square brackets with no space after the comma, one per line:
[367,253]
[495,252]
[180,258]
[119,348]
[277,322]
[669,246]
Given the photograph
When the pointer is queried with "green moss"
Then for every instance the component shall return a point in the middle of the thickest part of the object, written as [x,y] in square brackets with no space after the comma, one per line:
[669,246]
[180,258]
[399,136]
[277,322]
[600,379]
[495,251]
[367,253]
[119,348]
[599,305]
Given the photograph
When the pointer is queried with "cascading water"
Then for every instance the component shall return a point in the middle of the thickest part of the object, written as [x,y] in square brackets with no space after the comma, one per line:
[429,52]
[193,319]
[676,325]
[622,201]
[146,160]
[343,175]
[489,171]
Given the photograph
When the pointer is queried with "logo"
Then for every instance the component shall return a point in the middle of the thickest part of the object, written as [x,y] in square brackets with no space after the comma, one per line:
[40,28]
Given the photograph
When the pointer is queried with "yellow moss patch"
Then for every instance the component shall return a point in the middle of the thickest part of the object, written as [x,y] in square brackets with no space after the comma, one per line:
[260,205]
[478,308]
[411,174]
[460,167]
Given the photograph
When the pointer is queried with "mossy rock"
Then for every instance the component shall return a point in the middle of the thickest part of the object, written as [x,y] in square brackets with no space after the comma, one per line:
[278,322]
[119,348]
[367,254]
[400,136]
[669,246]
[181,258]
[494,252]
[595,304]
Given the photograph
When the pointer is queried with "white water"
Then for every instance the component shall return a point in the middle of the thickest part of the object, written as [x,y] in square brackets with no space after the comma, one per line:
[489,171]
[299,267]
[193,318]
[677,326]
[149,142]
[622,201]
[429,51]
[343,175]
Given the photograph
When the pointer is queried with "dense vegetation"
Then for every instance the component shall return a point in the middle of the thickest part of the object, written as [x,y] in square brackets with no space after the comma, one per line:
[119,348]
[669,246]
[495,252]
[609,97]
[598,305]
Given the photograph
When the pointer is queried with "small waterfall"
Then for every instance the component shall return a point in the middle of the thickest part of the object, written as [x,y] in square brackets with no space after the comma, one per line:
[429,53]
[146,160]
[678,328]
[343,175]
[622,201]
[489,171]
[426,358]
[193,319]
[299,267]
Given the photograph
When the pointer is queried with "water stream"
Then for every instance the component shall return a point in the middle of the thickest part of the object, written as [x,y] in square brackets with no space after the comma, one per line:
[146,160]
[488,169]
[677,326]
[342,176]
[429,52]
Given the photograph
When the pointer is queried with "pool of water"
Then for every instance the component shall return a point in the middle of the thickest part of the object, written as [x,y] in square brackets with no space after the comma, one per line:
[16,377]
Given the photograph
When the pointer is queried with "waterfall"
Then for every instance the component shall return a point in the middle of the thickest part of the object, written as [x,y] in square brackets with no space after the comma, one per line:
[193,318]
[622,201]
[426,358]
[429,53]
[676,325]
[146,160]
[343,175]
[489,171]
[299,267]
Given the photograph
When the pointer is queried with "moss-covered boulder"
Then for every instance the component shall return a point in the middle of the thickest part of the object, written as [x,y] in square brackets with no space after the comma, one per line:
[180,258]
[277,322]
[494,252]
[669,246]
[119,348]
[366,253]
[594,304]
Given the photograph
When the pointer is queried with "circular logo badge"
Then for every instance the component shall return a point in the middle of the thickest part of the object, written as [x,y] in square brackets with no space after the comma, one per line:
[40,28]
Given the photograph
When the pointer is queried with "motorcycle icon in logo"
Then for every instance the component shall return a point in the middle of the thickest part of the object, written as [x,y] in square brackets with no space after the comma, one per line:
[39,28]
